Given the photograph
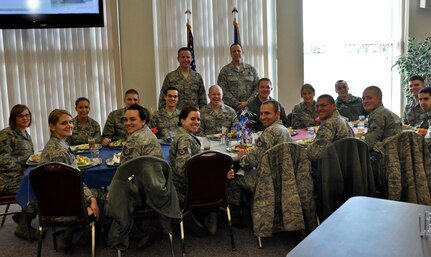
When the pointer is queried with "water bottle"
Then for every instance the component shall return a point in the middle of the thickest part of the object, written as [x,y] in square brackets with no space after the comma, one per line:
[361,124]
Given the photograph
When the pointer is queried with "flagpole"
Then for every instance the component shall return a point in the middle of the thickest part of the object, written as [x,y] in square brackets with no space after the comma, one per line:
[190,44]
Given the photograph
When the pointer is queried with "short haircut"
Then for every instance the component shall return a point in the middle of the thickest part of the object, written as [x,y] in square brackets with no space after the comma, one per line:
[307,86]
[184,49]
[328,97]
[264,79]
[416,77]
[80,100]
[375,89]
[275,104]
[143,112]
[214,86]
[425,90]
[341,82]
[131,92]
[171,88]
[185,113]
[235,44]
[55,115]
[14,112]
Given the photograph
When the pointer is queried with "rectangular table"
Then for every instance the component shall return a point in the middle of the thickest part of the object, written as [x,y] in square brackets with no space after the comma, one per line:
[365,226]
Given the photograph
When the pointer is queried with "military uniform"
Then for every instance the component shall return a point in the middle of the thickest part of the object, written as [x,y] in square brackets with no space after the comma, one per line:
[191,90]
[114,127]
[382,123]
[81,133]
[212,120]
[331,130]
[414,115]
[352,108]
[303,116]
[139,143]
[164,122]
[183,147]
[14,151]
[254,107]
[238,84]
[271,136]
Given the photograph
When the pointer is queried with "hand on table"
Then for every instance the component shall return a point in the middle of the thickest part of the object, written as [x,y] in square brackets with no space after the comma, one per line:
[106,141]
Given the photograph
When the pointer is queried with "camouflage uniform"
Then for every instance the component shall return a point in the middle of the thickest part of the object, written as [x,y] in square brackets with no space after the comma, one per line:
[14,151]
[331,130]
[254,107]
[382,123]
[57,150]
[352,108]
[114,127]
[139,143]
[303,117]
[414,115]
[164,122]
[82,133]
[271,136]
[238,84]
[183,147]
[213,120]
[191,90]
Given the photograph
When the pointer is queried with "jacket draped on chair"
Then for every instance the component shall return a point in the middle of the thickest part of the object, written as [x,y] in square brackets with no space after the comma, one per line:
[283,200]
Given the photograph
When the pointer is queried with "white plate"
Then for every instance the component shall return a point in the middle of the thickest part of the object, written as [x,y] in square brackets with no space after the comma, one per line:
[110,162]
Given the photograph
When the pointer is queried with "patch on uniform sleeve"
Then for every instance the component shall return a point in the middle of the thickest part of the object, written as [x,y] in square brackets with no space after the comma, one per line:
[260,143]
[184,151]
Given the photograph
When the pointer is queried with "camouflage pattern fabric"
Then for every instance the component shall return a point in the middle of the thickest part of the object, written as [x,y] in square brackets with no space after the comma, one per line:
[139,143]
[351,109]
[283,200]
[213,120]
[183,147]
[114,127]
[191,90]
[303,117]
[82,133]
[238,84]
[164,122]
[331,129]
[414,115]
[14,151]
[382,123]
[254,107]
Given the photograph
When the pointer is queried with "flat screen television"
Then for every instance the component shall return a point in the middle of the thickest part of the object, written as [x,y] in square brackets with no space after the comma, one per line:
[25,14]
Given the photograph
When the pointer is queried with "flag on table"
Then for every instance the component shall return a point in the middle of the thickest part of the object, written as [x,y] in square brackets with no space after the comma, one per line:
[190,45]
[236,36]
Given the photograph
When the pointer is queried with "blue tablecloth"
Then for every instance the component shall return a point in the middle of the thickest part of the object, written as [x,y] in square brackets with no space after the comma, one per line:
[95,177]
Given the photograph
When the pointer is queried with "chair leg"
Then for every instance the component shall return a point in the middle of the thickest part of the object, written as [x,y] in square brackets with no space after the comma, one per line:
[4,217]
[93,239]
[119,253]
[259,242]
[171,243]
[54,239]
[182,237]
[39,243]
[232,241]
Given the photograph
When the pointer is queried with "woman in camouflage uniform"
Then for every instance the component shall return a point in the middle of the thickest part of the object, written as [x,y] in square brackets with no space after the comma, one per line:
[304,113]
[84,127]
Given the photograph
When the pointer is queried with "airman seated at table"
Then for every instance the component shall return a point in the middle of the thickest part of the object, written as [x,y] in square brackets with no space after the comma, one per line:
[425,102]
[414,115]
[166,119]
[382,123]
[114,128]
[16,148]
[304,114]
[84,127]
[274,133]
[348,106]
[264,88]
[216,114]
[332,128]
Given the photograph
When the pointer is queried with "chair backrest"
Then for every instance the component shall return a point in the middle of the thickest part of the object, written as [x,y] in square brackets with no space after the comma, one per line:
[206,177]
[58,189]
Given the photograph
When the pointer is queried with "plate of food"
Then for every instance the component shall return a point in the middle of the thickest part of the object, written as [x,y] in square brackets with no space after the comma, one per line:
[304,141]
[215,137]
[117,144]
[34,159]
[84,162]
[114,160]
[83,148]
[245,147]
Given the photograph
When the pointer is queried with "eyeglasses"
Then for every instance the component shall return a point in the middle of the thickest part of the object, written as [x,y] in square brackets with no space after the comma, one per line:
[23,116]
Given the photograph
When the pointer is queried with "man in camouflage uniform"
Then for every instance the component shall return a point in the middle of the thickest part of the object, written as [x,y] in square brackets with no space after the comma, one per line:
[264,88]
[348,106]
[166,119]
[382,123]
[414,115]
[114,127]
[238,80]
[188,82]
[333,127]
[216,114]
[275,133]
[425,102]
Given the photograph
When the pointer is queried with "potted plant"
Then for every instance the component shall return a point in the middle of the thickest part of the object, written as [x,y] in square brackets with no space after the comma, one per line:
[417,61]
